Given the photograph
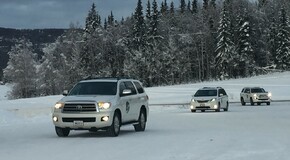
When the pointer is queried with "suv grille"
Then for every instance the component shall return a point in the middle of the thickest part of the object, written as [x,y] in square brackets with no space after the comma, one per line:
[79,108]
[202,101]
[79,119]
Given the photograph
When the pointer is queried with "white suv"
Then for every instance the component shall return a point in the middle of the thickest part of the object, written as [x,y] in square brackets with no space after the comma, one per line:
[254,95]
[210,98]
[103,104]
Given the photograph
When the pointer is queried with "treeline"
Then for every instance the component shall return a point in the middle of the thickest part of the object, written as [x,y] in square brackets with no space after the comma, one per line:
[160,45]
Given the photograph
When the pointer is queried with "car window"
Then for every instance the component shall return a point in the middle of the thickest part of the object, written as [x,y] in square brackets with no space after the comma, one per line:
[247,90]
[94,88]
[223,92]
[129,85]
[257,90]
[139,87]
[205,93]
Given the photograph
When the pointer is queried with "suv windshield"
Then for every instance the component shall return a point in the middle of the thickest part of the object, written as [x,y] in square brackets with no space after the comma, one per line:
[257,90]
[95,88]
[205,93]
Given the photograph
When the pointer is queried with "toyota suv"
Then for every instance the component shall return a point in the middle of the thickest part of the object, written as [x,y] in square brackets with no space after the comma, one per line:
[254,95]
[105,104]
[210,98]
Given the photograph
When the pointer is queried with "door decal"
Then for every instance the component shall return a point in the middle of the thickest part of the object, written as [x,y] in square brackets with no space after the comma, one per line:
[127,107]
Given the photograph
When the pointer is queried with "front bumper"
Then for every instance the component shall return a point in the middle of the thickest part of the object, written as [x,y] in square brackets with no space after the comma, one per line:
[204,106]
[82,120]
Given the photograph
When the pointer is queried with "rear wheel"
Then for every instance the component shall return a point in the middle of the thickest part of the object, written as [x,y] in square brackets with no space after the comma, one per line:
[62,132]
[114,129]
[268,103]
[202,110]
[141,122]
[193,110]
[227,108]
[259,103]
[252,103]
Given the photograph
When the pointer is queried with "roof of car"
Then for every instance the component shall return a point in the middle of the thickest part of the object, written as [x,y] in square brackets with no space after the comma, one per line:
[210,88]
[105,79]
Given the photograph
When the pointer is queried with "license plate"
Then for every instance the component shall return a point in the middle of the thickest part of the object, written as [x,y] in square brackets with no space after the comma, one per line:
[78,123]
[202,104]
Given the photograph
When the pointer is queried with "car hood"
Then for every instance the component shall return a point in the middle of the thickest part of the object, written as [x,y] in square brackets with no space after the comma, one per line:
[89,98]
[204,98]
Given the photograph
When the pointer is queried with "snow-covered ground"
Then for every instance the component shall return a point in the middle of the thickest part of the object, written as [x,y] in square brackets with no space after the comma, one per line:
[172,133]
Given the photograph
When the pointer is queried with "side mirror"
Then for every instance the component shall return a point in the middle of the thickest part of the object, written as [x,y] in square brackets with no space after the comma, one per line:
[221,94]
[126,92]
[65,93]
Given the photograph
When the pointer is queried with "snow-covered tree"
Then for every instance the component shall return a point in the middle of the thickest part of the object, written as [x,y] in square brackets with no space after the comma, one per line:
[139,28]
[22,70]
[283,51]
[225,46]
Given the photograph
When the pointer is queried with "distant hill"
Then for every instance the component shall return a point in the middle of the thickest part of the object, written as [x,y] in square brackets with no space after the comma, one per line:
[38,37]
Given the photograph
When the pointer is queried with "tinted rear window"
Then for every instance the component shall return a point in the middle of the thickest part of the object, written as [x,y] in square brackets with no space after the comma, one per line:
[94,88]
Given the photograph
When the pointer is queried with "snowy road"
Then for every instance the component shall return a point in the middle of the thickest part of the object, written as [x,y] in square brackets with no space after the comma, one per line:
[243,133]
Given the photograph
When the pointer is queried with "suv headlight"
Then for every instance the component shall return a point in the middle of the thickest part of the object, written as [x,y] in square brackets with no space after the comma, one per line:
[213,100]
[59,105]
[269,94]
[104,105]
[192,100]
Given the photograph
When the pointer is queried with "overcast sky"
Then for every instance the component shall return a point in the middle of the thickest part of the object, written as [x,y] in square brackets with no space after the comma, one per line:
[32,14]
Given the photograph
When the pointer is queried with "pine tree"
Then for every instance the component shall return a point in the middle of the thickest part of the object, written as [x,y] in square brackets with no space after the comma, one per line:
[182,6]
[148,10]
[92,20]
[164,7]
[194,6]
[21,70]
[213,4]
[283,51]
[90,57]
[224,51]
[245,48]
[172,10]
[205,4]
[139,29]
[189,6]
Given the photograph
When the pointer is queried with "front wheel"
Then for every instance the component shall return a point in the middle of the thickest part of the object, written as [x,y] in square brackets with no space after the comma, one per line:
[141,122]
[62,132]
[268,103]
[114,129]
[243,101]
[252,102]
[219,107]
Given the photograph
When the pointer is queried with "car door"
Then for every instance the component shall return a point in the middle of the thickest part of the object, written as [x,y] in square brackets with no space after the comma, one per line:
[124,103]
[247,95]
[133,101]
[142,98]
[224,98]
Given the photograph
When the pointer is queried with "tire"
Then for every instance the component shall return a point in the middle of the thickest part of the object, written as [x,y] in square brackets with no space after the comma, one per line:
[243,101]
[259,103]
[62,132]
[219,108]
[193,110]
[141,122]
[268,103]
[114,129]
[202,110]
[227,108]
[252,103]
